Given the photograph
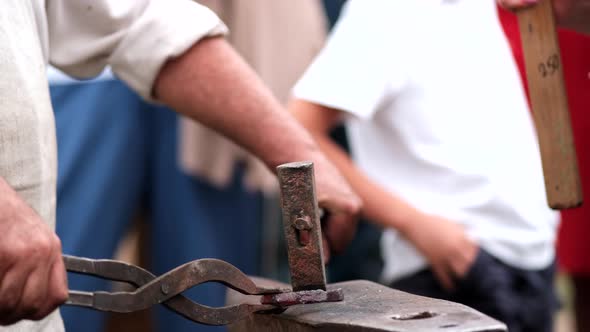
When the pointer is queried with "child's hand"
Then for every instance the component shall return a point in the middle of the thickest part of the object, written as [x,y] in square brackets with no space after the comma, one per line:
[445,245]
[573,14]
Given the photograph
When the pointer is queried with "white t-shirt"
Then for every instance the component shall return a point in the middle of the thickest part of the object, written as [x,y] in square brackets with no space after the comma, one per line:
[440,119]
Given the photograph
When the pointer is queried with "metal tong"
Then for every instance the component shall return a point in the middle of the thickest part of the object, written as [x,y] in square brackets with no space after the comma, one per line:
[167,288]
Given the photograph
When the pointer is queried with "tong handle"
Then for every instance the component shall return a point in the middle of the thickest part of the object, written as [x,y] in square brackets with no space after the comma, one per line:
[167,289]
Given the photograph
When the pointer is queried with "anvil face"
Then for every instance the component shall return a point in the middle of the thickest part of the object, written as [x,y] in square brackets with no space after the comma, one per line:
[368,306]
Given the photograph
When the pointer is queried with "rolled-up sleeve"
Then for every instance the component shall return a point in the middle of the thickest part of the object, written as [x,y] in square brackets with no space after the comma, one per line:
[134,37]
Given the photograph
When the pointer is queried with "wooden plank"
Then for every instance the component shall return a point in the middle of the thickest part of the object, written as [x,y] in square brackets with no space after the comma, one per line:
[367,306]
[550,107]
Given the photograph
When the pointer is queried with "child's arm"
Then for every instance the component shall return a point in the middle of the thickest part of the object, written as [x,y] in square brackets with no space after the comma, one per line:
[443,242]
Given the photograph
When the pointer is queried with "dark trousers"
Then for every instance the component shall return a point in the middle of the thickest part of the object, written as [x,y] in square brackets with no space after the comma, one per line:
[524,300]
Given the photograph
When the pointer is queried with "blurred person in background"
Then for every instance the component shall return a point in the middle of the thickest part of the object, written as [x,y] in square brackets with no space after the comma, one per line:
[573,244]
[362,259]
[117,152]
[425,88]
[189,67]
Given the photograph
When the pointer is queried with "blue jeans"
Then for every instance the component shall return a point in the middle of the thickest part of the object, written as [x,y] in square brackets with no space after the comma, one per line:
[523,299]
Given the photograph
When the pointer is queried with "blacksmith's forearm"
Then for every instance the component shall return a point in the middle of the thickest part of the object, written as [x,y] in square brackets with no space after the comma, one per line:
[212,84]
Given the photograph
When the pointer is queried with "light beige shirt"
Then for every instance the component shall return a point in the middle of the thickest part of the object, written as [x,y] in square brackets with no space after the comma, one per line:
[80,37]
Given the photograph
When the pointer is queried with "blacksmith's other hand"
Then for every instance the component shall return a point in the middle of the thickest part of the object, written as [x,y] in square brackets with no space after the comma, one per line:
[32,274]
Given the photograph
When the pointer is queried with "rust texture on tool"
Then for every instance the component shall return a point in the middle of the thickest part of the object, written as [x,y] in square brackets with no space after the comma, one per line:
[369,307]
[302,226]
[550,106]
[303,297]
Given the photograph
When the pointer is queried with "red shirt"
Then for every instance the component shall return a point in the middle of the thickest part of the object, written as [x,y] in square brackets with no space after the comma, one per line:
[573,249]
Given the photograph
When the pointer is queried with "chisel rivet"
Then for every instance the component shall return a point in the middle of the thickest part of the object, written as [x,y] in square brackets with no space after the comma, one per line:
[303,223]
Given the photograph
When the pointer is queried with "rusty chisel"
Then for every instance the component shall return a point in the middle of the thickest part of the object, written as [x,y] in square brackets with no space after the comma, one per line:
[303,234]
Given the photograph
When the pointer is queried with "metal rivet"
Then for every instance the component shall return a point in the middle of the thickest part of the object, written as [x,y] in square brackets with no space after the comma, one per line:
[303,223]
[165,289]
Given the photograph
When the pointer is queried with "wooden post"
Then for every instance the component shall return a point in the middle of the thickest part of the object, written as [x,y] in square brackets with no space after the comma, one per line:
[550,107]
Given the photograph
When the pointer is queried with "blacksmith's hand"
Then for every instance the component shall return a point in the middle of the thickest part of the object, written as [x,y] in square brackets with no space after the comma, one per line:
[32,273]
[342,206]
[574,14]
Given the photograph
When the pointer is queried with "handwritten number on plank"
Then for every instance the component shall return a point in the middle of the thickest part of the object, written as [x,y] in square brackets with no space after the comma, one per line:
[550,66]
